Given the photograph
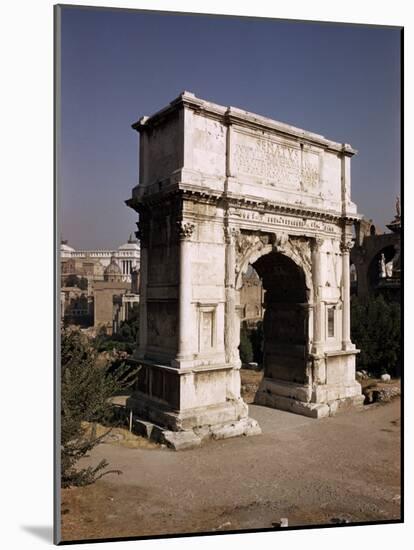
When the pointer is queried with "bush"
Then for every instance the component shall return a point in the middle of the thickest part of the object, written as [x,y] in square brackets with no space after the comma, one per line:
[124,340]
[74,280]
[83,283]
[376,331]
[256,338]
[85,393]
[245,347]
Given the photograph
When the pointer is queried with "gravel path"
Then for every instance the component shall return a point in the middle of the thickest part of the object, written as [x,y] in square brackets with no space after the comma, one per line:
[309,471]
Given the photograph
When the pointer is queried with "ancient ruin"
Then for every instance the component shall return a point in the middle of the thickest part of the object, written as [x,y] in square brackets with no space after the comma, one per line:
[221,189]
[376,258]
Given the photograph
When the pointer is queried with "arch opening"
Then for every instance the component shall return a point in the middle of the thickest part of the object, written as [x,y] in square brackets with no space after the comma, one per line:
[283,329]
[380,267]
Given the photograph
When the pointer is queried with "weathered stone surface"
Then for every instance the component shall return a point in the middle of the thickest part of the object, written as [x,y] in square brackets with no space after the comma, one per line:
[142,427]
[187,439]
[381,393]
[341,405]
[247,426]
[221,189]
[181,440]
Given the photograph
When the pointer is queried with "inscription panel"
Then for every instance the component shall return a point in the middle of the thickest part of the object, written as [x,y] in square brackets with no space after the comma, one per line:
[276,163]
[280,221]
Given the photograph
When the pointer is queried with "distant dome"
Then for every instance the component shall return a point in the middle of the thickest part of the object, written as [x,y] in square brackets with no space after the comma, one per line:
[132,244]
[65,248]
[112,271]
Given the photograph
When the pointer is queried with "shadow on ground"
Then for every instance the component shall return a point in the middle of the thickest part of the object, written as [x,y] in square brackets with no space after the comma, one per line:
[43,532]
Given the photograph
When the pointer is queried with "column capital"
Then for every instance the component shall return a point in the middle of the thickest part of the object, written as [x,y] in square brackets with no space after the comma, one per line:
[346,246]
[185,230]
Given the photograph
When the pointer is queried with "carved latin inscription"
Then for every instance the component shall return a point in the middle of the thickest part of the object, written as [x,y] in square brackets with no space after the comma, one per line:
[288,221]
[279,164]
[269,160]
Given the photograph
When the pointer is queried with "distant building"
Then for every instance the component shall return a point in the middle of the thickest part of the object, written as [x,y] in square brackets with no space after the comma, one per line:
[124,308]
[251,298]
[99,287]
[376,259]
[76,306]
[91,263]
[113,299]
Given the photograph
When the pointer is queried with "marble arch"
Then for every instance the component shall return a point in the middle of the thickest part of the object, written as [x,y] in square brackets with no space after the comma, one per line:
[264,244]
[220,188]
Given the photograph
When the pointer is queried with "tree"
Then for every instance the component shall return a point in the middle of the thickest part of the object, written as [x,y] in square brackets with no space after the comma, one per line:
[83,283]
[245,347]
[85,396]
[72,280]
[376,331]
[125,339]
[256,338]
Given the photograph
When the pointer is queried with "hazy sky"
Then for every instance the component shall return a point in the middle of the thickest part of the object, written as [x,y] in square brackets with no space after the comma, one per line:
[336,80]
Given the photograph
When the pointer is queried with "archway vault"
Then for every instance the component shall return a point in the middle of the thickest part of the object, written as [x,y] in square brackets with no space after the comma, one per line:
[221,189]
[251,246]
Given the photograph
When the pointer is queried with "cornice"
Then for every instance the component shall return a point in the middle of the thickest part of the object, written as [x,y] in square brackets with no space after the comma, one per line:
[207,196]
[235,116]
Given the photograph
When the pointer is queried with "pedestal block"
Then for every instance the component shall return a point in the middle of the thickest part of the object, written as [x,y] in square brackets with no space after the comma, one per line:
[187,406]
[338,391]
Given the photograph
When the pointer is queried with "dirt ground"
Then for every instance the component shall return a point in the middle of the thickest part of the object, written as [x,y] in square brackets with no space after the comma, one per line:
[344,468]
[250,380]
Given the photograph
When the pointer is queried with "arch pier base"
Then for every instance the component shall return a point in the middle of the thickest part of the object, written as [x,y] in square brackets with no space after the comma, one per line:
[318,400]
[167,405]
[308,358]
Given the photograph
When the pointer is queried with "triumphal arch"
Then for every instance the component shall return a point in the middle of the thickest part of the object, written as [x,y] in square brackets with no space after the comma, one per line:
[221,189]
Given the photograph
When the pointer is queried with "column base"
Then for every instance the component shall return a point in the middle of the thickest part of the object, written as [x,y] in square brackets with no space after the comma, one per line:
[315,402]
[349,346]
[190,428]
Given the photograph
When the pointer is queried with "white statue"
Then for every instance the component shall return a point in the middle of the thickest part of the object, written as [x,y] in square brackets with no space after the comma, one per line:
[383,272]
[388,268]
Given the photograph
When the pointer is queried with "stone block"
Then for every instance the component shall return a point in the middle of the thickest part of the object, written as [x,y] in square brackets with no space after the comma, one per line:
[341,405]
[247,426]
[313,410]
[142,427]
[181,440]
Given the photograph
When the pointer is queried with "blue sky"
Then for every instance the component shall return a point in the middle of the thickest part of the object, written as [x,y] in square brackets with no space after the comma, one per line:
[342,81]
